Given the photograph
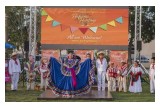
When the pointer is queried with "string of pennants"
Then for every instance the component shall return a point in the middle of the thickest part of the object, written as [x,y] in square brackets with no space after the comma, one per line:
[82,29]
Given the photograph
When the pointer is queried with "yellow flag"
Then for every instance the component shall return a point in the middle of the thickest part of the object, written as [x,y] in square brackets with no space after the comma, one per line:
[112,23]
[49,18]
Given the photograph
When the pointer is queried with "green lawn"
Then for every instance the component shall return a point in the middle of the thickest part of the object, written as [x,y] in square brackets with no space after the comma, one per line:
[31,96]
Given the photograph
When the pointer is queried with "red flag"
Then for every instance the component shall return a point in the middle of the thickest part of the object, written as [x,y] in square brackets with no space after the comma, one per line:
[83,30]
[64,27]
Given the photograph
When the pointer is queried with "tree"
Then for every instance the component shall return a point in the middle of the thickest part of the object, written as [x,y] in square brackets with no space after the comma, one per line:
[148,25]
[18,25]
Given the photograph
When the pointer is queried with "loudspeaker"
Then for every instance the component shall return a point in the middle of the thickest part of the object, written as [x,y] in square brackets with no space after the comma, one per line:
[26,46]
[38,58]
[139,45]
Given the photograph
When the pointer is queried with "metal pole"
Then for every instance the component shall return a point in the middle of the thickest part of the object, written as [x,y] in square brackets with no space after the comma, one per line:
[140,20]
[135,35]
[35,32]
[30,32]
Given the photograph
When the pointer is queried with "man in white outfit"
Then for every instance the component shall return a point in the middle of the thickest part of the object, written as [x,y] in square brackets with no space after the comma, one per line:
[14,70]
[101,65]
[152,76]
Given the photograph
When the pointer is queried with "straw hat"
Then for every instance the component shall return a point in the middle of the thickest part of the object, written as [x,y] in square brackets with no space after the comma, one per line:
[44,58]
[13,54]
[100,52]
[110,63]
[123,61]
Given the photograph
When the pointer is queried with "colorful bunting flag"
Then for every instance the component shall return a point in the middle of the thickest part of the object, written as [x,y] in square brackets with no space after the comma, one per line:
[64,27]
[112,23]
[83,30]
[103,26]
[94,29]
[73,29]
[55,23]
[119,20]
[43,12]
[49,18]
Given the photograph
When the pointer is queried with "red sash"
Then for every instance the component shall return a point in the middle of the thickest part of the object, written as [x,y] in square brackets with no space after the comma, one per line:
[113,72]
[135,77]
[123,68]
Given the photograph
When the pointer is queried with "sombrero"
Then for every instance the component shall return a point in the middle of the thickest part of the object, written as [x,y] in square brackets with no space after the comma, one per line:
[100,52]
[13,54]
[111,62]
[123,61]
[44,58]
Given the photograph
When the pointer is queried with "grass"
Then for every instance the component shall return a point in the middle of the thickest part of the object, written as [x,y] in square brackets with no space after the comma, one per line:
[22,95]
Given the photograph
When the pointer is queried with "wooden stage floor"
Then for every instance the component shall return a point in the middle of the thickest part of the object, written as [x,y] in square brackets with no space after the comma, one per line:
[94,94]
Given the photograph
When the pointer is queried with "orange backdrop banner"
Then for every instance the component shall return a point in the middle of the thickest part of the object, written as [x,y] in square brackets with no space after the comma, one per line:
[83,54]
[51,53]
[118,56]
[84,26]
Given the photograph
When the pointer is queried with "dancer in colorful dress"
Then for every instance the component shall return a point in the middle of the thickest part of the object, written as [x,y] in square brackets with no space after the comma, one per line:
[14,71]
[69,78]
[44,71]
[122,73]
[31,69]
[135,82]
[111,77]
[101,65]
[92,75]
[152,76]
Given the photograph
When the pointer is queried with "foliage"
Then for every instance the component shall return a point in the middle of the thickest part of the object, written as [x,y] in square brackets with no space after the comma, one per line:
[148,25]
[17,25]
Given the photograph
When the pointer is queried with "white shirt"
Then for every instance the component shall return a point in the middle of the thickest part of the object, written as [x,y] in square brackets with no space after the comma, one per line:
[13,67]
[101,66]
[152,70]
[134,70]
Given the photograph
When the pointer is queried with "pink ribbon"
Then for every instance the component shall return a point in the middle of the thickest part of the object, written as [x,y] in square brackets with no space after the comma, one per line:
[74,82]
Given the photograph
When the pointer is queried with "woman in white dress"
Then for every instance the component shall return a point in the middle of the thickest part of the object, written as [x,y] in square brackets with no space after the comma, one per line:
[135,82]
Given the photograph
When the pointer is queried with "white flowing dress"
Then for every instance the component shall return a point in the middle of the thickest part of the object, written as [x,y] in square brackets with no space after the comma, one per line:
[136,87]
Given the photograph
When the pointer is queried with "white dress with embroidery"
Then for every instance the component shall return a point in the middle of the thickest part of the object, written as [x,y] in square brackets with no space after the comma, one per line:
[136,87]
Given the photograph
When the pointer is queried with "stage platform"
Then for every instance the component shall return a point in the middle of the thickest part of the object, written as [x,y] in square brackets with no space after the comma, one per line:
[94,94]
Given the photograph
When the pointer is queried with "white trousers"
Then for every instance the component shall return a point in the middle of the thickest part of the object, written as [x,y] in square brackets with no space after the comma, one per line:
[44,82]
[101,80]
[111,84]
[152,85]
[122,83]
[14,79]
[30,85]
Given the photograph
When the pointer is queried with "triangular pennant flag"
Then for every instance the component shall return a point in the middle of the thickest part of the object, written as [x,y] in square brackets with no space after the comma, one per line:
[63,27]
[83,30]
[43,12]
[112,23]
[55,23]
[73,29]
[103,26]
[49,18]
[94,29]
[119,20]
